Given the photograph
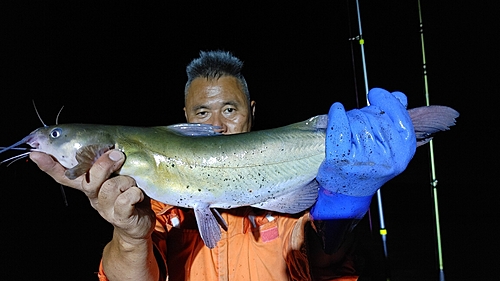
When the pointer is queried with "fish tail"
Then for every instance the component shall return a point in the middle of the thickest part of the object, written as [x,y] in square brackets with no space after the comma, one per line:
[428,120]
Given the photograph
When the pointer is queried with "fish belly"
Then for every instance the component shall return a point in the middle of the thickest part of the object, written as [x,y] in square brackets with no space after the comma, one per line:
[229,188]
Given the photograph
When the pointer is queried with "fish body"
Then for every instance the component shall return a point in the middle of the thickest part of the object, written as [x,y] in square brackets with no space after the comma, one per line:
[190,165]
[175,167]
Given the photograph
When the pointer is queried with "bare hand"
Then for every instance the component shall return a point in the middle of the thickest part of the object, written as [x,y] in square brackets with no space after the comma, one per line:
[118,200]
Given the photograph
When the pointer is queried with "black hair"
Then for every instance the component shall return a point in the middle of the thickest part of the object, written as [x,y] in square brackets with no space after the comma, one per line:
[216,64]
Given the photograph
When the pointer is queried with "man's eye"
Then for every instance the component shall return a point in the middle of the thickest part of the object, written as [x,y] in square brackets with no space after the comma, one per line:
[229,110]
[201,113]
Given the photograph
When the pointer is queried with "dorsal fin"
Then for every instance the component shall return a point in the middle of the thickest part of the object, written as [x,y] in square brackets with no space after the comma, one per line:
[194,129]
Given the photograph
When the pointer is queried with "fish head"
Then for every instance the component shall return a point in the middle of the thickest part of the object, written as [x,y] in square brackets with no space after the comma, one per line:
[65,141]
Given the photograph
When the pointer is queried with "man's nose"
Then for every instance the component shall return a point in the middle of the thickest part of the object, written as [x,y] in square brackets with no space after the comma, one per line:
[216,120]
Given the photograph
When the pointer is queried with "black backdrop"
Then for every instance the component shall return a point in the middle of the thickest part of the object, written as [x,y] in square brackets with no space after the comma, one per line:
[124,64]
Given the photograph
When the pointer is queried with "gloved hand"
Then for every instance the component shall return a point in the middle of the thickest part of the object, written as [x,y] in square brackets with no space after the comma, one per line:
[365,148]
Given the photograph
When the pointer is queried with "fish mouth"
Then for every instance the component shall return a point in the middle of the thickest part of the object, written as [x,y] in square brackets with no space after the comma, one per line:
[32,141]
[34,144]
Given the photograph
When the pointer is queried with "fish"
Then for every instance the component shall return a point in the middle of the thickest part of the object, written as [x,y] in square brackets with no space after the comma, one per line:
[193,166]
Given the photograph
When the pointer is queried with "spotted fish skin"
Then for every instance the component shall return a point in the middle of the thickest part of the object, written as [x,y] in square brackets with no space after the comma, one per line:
[190,165]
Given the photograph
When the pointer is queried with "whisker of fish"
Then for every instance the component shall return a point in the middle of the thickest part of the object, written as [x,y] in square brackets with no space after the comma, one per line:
[38,114]
[15,158]
[24,155]
[15,148]
[65,198]
[57,117]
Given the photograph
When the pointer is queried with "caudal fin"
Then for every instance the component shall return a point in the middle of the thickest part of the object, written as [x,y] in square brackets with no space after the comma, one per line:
[428,120]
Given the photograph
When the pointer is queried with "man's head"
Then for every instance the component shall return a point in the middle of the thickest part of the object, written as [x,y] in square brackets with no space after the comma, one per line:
[216,93]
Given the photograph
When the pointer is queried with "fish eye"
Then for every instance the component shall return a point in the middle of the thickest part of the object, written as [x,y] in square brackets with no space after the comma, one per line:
[55,133]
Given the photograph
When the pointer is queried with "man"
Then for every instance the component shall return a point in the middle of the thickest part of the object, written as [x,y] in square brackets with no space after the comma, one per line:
[153,241]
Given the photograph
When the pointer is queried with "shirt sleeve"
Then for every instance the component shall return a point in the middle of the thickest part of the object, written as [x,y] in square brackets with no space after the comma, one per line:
[100,273]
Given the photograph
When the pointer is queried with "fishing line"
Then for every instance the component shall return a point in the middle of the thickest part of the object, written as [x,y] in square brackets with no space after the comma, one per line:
[355,81]
[351,39]
[362,44]
[383,230]
[434,180]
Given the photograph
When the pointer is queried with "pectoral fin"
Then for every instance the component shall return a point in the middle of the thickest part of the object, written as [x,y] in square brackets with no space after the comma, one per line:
[219,219]
[297,200]
[207,225]
[86,157]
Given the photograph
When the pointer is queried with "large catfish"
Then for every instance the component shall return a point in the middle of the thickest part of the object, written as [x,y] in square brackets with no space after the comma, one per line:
[189,165]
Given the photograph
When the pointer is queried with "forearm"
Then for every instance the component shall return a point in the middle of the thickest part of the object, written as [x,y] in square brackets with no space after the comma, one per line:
[130,259]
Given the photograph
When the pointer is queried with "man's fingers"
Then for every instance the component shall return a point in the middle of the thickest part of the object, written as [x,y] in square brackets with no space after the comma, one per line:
[392,105]
[102,169]
[47,164]
[338,133]
[364,136]
[398,129]
[90,183]
[109,193]
[118,201]
[126,201]
[112,188]
[402,98]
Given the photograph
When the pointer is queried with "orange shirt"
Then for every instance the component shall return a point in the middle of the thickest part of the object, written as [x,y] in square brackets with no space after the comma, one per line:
[258,245]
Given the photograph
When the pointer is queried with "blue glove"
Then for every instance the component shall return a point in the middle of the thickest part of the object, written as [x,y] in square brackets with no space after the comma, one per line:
[365,148]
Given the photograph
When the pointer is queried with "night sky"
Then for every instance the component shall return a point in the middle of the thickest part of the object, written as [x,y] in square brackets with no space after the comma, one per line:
[124,64]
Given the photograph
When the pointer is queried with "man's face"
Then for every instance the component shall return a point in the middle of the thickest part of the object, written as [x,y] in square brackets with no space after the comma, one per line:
[219,102]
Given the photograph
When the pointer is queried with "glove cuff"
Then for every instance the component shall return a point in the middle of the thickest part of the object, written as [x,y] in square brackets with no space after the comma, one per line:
[331,205]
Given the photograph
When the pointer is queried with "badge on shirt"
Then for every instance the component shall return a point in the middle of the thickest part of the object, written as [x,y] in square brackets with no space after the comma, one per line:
[266,225]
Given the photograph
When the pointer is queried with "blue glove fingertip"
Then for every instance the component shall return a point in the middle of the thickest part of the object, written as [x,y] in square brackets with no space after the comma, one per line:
[338,137]
[394,105]
[402,98]
[377,96]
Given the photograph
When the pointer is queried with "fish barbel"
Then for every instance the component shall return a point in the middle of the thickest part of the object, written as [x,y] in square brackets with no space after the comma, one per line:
[190,165]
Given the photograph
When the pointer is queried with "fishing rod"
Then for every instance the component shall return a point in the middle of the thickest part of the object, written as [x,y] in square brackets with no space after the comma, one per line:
[383,230]
[431,153]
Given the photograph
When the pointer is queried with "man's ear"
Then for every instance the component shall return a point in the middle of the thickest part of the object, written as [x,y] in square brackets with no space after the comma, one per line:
[252,111]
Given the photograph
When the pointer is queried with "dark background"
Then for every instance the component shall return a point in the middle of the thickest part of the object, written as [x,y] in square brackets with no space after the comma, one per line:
[124,64]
